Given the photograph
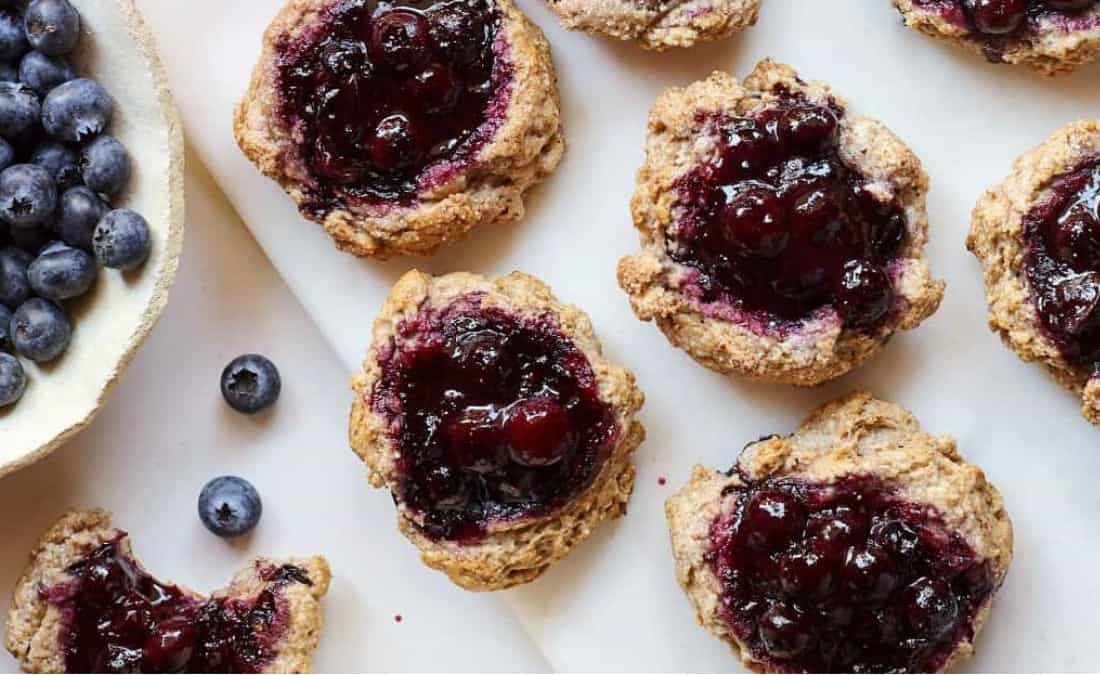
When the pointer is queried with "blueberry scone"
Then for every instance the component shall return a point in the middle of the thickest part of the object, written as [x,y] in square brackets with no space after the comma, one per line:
[400,125]
[782,237]
[487,409]
[86,605]
[857,544]
[1053,37]
[1037,235]
[659,24]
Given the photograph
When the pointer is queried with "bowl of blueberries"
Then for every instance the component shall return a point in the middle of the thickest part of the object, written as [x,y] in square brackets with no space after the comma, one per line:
[91,211]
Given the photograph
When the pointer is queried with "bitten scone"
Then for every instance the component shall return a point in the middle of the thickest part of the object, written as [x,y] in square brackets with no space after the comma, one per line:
[857,544]
[86,605]
[782,237]
[487,409]
[659,24]
[400,126]
[1053,37]
[1037,235]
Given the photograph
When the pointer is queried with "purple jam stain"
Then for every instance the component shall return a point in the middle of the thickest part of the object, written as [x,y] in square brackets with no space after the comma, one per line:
[497,417]
[116,618]
[1062,264]
[846,577]
[778,224]
[383,90]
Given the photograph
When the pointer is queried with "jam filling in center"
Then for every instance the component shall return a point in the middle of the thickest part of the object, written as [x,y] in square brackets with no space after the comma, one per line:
[845,577]
[116,618]
[999,20]
[1063,263]
[498,417]
[779,224]
[384,89]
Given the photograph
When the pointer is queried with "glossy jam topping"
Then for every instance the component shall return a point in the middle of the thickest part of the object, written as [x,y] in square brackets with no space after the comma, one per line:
[118,619]
[387,89]
[497,417]
[779,224]
[1000,19]
[846,577]
[1063,262]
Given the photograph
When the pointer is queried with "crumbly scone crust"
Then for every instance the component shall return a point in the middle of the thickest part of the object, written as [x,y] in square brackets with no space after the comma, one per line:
[34,626]
[513,552]
[526,148]
[856,434]
[820,350]
[997,239]
[679,23]
[1053,52]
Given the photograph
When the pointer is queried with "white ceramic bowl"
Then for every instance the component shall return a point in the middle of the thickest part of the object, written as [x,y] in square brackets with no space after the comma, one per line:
[111,322]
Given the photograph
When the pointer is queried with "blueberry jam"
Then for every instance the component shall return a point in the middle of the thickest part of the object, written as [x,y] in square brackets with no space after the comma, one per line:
[118,619]
[497,417]
[997,20]
[1063,263]
[846,577]
[385,89]
[778,223]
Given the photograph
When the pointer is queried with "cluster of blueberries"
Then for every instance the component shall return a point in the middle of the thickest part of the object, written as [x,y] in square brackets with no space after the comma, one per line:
[58,171]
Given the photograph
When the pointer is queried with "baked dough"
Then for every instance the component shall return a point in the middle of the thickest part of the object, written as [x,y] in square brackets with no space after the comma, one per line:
[659,24]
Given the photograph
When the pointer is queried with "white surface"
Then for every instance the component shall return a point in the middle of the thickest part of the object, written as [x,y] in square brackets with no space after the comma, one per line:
[615,605]
[167,431]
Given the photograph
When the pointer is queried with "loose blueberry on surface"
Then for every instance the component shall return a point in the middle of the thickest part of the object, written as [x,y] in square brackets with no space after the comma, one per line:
[53,26]
[13,39]
[251,383]
[122,240]
[78,214]
[5,329]
[20,110]
[14,287]
[42,73]
[105,165]
[28,195]
[73,112]
[62,273]
[13,381]
[40,330]
[230,506]
[60,160]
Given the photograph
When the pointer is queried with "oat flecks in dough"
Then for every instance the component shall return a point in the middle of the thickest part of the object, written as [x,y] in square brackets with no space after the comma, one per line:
[659,24]
[512,552]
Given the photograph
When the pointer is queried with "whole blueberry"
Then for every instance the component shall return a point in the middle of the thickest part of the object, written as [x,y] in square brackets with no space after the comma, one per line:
[7,154]
[61,160]
[230,506]
[28,195]
[78,213]
[8,72]
[20,110]
[5,329]
[13,39]
[76,110]
[42,72]
[61,272]
[40,330]
[105,165]
[53,26]
[122,240]
[14,287]
[251,383]
[12,380]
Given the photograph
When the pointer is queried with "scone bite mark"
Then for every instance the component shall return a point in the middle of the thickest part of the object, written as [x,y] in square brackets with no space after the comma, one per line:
[401,125]
[858,543]
[486,408]
[782,236]
[659,24]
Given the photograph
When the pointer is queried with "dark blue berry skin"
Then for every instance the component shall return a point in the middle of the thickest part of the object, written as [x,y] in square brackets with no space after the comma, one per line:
[60,160]
[78,213]
[76,110]
[61,272]
[251,383]
[13,39]
[42,72]
[19,110]
[7,154]
[12,380]
[105,165]
[230,506]
[122,240]
[14,287]
[53,26]
[28,195]
[8,72]
[40,330]
[5,329]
